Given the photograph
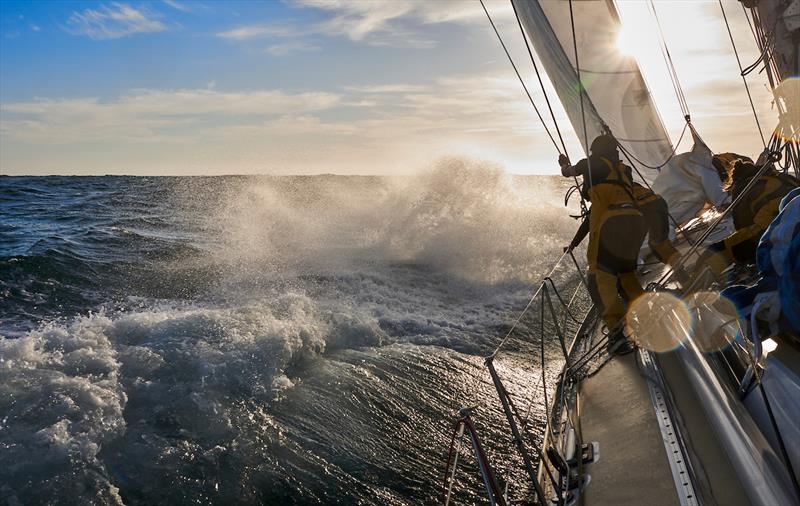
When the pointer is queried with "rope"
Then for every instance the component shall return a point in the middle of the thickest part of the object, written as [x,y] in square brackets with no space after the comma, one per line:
[527,307]
[581,91]
[673,74]
[659,166]
[539,77]
[744,79]
[522,82]
[544,92]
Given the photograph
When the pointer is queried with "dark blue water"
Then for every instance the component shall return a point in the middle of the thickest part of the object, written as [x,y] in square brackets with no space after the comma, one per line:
[254,340]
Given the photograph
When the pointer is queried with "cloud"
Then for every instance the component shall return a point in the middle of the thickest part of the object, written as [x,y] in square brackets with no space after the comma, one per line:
[389,88]
[35,28]
[114,21]
[151,114]
[359,20]
[399,126]
[285,48]
[258,31]
[393,23]
[178,5]
[380,128]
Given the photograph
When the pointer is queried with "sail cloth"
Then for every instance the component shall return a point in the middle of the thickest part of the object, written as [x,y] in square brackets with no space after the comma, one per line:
[615,91]
[689,182]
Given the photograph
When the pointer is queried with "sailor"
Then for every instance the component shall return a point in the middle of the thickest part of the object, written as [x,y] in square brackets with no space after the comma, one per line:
[751,216]
[723,162]
[616,231]
[656,217]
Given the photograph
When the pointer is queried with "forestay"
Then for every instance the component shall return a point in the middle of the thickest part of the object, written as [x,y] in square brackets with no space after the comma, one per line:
[615,91]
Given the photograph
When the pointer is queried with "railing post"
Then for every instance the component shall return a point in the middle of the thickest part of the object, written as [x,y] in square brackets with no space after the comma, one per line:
[501,392]
[555,324]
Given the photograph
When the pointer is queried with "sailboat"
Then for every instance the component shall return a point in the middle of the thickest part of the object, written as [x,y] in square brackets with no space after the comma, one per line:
[706,410]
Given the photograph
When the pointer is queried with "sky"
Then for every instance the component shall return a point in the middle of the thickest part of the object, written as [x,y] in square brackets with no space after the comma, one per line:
[324,86]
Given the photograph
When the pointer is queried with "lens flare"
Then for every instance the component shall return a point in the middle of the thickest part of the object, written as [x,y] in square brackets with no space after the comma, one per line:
[787,96]
[716,320]
[658,322]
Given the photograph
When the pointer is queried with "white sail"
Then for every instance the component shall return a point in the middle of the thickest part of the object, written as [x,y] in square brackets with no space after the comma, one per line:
[616,93]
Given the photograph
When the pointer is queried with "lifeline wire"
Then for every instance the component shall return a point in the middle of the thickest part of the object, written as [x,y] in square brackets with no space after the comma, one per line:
[527,306]
[520,79]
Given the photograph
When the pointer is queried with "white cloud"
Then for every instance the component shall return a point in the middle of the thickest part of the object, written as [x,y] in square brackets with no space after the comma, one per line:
[285,48]
[36,28]
[114,21]
[377,22]
[386,128]
[389,88]
[150,114]
[360,20]
[258,31]
[178,5]
[366,129]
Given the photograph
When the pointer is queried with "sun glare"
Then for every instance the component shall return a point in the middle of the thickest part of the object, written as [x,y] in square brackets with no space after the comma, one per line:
[626,42]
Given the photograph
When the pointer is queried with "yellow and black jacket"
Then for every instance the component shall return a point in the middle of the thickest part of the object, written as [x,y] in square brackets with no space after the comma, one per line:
[752,216]
[610,192]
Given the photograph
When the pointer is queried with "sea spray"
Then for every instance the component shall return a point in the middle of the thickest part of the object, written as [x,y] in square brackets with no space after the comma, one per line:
[465,217]
[259,339]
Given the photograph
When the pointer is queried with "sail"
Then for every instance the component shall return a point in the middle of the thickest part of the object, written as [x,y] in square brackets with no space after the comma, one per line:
[616,94]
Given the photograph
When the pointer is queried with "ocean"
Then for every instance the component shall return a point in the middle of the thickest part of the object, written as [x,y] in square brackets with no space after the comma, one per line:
[267,340]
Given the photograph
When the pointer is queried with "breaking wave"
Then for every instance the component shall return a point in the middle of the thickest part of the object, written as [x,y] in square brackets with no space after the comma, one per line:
[176,340]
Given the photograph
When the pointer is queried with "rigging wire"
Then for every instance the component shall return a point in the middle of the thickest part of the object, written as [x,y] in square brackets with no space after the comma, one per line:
[546,97]
[581,91]
[539,77]
[520,78]
[630,155]
[673,74]
[744,79]
[749,22]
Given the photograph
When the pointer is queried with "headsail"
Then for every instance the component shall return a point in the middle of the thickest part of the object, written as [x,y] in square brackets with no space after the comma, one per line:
[615,91]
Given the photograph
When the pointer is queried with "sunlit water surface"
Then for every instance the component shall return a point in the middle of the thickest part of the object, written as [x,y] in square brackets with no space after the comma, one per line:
[263,340]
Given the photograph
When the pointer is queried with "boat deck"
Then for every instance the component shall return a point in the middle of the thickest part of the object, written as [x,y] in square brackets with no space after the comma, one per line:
[633,467]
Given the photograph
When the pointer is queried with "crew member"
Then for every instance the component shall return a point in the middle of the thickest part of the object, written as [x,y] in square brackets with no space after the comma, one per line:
[616,231]
[751,216]
[656,217]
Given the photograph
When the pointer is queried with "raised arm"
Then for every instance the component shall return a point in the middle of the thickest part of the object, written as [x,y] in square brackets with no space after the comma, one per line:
[567,170]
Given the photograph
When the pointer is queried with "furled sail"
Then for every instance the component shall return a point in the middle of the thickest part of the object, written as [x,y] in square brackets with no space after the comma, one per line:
[615,91]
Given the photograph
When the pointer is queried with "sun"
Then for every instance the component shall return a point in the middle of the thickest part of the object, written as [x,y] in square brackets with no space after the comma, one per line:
[626,43]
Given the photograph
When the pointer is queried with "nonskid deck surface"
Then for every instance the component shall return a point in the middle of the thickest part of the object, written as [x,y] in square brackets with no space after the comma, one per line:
[616,410]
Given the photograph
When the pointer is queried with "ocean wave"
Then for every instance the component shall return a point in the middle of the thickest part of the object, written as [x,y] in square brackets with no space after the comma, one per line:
[260,339]
[69,390]
[466,217]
